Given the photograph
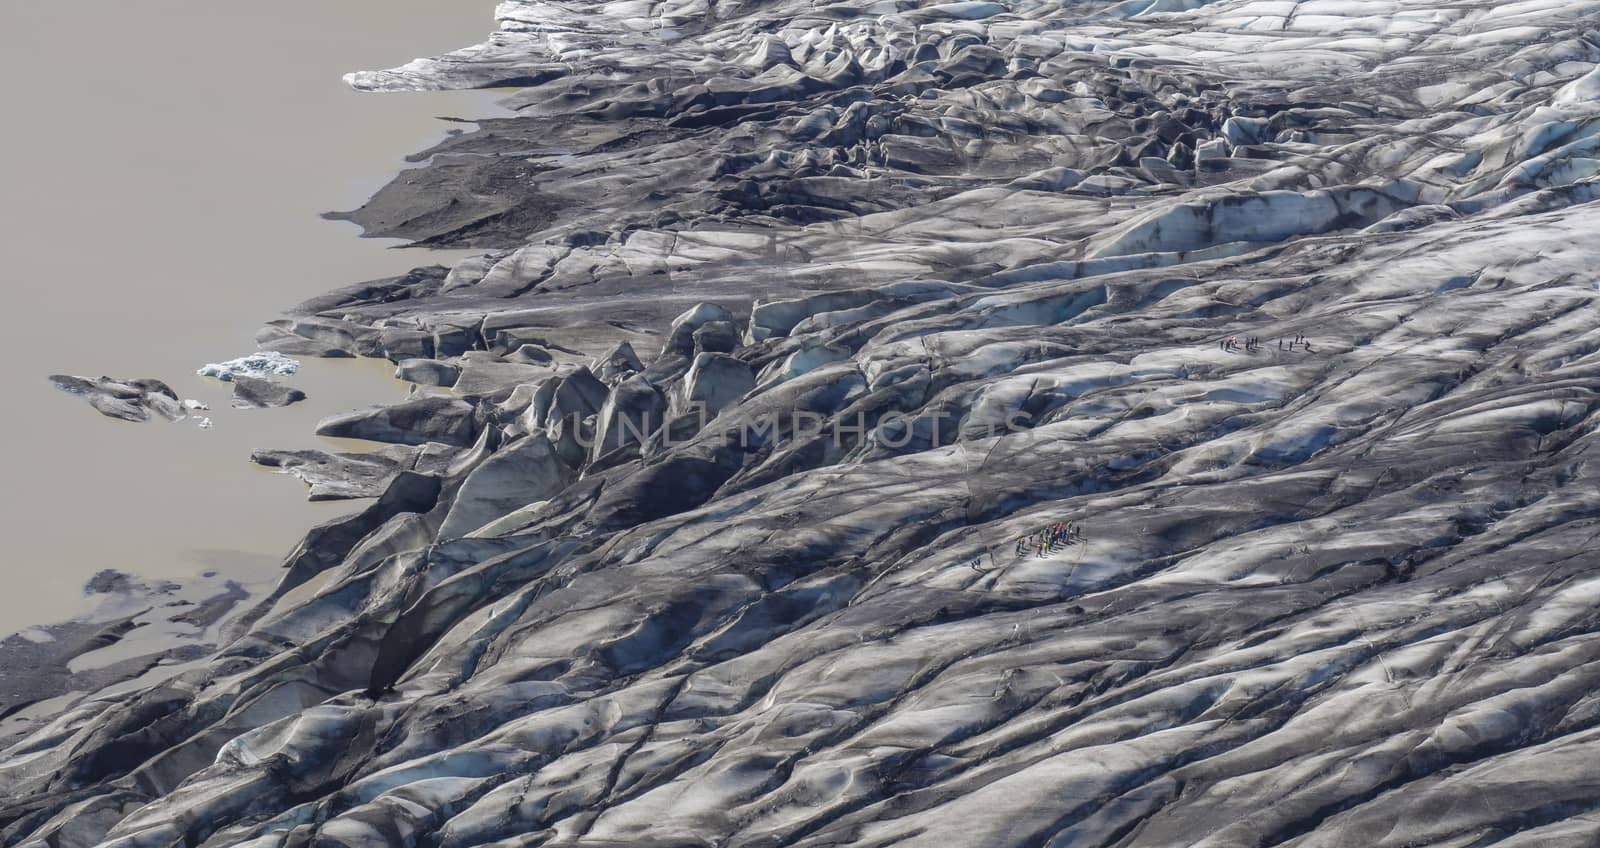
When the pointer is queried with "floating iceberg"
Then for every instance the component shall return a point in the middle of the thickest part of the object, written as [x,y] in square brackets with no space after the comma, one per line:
[264,363]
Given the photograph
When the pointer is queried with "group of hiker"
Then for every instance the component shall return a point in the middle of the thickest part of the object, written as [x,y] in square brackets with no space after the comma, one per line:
[1252,344]
[1046,541]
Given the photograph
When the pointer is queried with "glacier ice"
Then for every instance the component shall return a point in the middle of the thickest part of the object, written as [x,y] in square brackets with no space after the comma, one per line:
[265,363]
[1336,595]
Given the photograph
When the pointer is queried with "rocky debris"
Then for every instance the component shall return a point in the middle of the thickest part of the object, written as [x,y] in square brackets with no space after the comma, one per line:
[257,393]
[262,364]
[128,400]
[133,628]
[980,259]
[340,476]
[112,582]
[417,421]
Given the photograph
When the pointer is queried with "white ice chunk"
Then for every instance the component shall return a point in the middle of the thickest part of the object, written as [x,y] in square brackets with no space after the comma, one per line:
[262,363]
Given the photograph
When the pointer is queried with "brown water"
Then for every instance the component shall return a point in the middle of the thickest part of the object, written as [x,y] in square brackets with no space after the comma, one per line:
[163,165]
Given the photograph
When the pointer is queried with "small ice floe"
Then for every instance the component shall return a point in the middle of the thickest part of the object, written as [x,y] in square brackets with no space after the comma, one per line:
[205,423]
[129,400]
[256,393]
[193,406]
[262,363]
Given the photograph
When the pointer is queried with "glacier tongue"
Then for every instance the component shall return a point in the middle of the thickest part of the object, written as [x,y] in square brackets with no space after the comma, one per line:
[792,319]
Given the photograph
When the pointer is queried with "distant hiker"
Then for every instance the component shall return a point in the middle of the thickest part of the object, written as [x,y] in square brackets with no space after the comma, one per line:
[1308,347]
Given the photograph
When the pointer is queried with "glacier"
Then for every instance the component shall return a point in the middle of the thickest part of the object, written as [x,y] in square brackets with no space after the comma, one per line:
[1343,595]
